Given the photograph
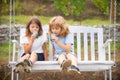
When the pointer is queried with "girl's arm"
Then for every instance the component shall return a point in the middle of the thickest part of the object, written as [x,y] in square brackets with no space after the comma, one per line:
[45,51]
[28,46]
[53,50]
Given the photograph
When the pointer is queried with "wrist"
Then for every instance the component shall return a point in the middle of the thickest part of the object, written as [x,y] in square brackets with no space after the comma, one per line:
[31,40]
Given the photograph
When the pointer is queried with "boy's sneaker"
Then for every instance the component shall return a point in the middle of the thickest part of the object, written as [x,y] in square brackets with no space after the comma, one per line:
[27,65]
[65,65]
[74,70]
[18,67]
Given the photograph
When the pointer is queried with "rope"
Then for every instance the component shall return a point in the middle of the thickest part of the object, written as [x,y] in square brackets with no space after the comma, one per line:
[115,29]
[10,20]
[114,26]
[14,11]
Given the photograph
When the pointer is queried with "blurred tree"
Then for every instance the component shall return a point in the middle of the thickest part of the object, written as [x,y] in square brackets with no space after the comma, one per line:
[70,7]
[118,7]
[4,7]
[19,9]
[103,5]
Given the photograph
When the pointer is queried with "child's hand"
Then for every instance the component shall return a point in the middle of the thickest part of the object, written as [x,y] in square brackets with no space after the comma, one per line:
[54,38]
[34,35]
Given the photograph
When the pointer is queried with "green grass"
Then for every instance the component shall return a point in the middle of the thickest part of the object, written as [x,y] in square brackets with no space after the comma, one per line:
[22,19]
[4,49]
[95,22]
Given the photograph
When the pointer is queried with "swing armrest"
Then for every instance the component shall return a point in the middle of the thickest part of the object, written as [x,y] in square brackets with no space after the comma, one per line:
[15,45]
[107,43]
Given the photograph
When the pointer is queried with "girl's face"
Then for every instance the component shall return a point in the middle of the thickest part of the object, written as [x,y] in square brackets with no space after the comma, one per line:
[56,30]
[33,27]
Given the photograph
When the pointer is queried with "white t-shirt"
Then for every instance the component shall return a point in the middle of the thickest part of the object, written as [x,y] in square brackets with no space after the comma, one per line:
[37,44]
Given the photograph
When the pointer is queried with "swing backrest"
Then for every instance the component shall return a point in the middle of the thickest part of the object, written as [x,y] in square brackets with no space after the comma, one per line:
[88,43]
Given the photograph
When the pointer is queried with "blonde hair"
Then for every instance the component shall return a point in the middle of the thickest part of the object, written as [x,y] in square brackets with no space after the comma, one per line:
[59,21]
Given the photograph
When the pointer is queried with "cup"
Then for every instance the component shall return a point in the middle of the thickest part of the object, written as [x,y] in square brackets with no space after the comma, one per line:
[35,34]
[52,36]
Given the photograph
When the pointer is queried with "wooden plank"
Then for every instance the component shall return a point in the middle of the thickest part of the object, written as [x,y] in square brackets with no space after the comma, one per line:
[92,47]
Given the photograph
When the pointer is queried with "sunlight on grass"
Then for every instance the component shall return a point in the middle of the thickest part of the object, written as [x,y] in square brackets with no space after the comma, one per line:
[95,22]
[22,19]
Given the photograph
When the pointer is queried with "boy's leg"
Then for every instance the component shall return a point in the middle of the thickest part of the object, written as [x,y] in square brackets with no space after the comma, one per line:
[65,63]
[73,58]
[73,69]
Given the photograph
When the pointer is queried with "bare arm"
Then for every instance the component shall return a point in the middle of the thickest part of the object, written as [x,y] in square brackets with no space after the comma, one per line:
[28,46]
[53,50]
[45,51]
[66,47]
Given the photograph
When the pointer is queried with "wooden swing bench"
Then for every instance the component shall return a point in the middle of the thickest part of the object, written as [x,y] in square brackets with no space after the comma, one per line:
[92,51]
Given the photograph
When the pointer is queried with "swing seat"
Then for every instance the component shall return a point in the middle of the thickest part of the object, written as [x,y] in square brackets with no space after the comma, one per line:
[92,51]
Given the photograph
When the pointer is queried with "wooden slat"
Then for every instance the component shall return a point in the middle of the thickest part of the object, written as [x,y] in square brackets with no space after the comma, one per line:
[85,47]
[79,46]
[92,43]
[101,51]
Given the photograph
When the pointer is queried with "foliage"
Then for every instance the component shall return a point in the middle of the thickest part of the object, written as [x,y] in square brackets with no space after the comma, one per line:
[102,5]
[118,6]
[70,7]
[18,7]
[4,6]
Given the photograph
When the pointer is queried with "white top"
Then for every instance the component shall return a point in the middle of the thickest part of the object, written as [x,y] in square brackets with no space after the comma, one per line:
[37,44]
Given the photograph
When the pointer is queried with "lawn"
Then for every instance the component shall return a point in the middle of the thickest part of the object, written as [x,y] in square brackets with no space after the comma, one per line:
[22,19]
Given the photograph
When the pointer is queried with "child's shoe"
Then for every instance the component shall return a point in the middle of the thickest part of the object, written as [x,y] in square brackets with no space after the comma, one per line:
[27,65]
[74,70]
[65,65]
[18,67]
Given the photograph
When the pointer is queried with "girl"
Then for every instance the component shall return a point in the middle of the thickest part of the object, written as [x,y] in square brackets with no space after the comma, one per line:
[63,45]
[34,44]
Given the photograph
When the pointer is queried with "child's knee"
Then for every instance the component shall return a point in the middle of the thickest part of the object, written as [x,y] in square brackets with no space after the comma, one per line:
[69,55]
[27,55]
[61,55]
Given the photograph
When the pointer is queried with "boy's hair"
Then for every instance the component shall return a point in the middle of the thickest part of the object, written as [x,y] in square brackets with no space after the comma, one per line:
[37,21]
[59,21]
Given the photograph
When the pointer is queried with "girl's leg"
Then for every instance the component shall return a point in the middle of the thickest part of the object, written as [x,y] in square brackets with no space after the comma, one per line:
[34,57]
[29,62]
[20,66]
[26,56]
[72,58]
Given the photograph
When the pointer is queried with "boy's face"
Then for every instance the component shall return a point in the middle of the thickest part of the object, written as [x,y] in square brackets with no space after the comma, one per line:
[33,27]
[56,30]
